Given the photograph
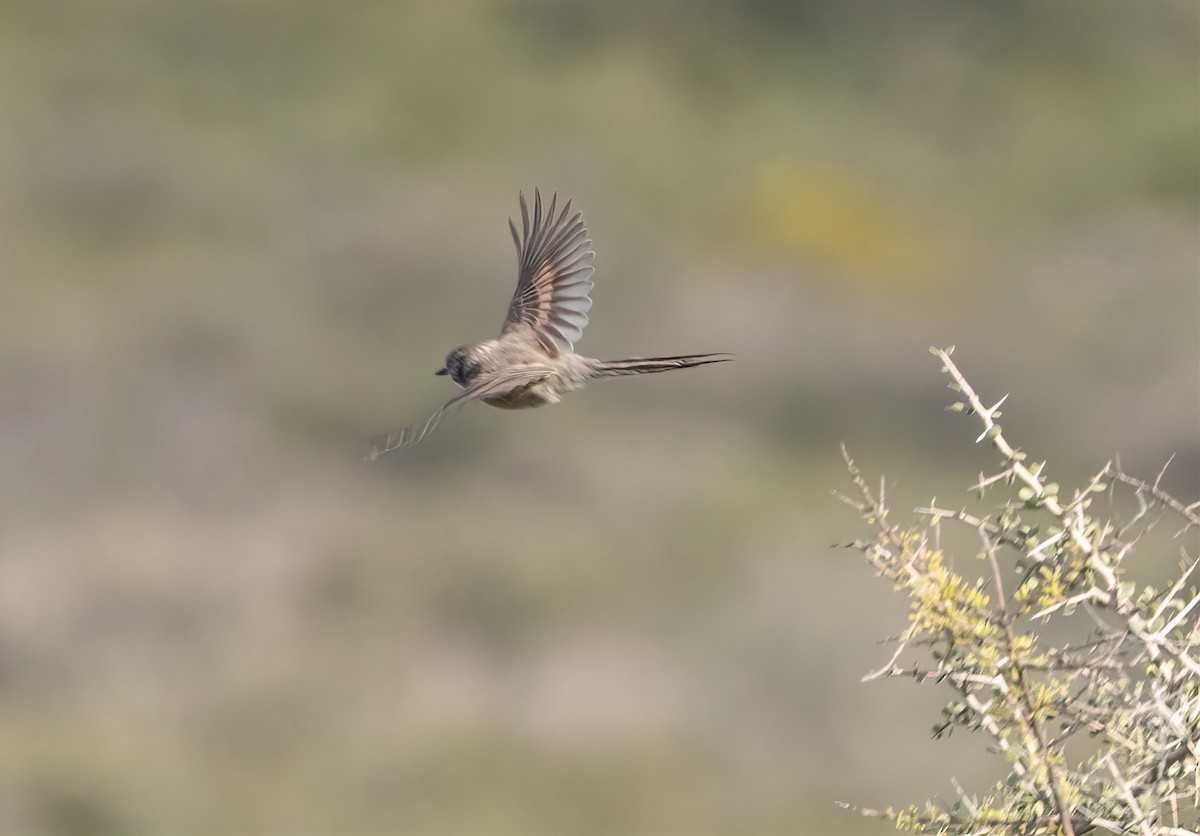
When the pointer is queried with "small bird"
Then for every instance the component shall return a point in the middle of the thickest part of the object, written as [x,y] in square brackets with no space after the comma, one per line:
[533,361]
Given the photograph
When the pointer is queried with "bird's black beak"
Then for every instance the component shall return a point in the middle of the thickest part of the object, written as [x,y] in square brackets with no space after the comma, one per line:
[441,372]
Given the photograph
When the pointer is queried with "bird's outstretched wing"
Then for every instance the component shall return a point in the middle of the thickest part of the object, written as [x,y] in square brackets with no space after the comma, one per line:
[554,257]
[497,385]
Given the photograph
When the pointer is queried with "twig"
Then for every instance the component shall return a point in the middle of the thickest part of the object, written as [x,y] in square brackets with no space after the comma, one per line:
[1127,793]
[975,522]
[992,430]
[904,640]
[1185,511]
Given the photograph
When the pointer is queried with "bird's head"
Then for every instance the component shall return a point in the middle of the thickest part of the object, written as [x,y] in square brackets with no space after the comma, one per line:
[461,365]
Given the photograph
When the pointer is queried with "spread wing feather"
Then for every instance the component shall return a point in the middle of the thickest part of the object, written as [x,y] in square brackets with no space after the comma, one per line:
[502,383]
[554,279]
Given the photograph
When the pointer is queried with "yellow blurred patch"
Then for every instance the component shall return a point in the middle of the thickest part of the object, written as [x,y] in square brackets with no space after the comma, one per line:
[832,217]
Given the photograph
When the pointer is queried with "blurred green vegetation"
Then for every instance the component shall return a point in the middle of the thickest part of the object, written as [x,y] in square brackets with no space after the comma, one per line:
[239,237]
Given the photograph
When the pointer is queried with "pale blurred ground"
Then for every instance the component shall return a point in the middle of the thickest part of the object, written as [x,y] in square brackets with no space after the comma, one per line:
[236,238]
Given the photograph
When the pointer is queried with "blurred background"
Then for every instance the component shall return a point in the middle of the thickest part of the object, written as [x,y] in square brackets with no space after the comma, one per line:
[238,238]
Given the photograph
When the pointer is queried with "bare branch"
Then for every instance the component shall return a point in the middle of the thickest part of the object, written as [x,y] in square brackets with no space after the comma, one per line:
[1127,793]
[1188,512]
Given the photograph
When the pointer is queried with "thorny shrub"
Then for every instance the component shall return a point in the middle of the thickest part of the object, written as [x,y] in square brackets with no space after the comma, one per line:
[1101,730]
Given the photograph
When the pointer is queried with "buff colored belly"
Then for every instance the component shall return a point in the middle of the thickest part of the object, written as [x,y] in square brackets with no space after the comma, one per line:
[525,397]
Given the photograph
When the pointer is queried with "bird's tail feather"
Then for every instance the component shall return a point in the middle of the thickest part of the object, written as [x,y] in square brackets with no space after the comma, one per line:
[650,365]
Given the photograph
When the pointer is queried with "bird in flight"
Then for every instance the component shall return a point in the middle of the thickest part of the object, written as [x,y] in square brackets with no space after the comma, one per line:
[533,361]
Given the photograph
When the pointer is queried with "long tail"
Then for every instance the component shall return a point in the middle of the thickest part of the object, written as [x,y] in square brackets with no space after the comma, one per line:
[650,365]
